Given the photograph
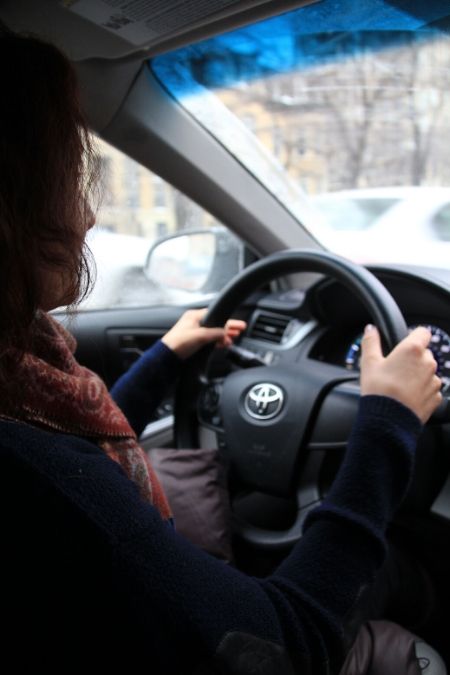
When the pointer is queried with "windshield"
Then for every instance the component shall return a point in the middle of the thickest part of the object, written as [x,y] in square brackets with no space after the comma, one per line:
[343,113]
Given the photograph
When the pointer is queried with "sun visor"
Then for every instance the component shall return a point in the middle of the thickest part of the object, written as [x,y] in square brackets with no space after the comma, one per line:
[149,23]
[143,23]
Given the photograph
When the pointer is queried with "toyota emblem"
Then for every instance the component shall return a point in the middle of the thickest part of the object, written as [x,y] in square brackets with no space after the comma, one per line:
[264,401]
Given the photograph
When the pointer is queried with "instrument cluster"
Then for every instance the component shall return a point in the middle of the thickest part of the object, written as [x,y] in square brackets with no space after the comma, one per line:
[439,345]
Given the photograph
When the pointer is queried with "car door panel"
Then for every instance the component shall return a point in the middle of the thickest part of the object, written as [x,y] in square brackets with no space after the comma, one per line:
[109,341]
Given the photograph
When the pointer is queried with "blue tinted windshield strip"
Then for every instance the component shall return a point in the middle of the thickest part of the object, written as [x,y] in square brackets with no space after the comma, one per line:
[326,31]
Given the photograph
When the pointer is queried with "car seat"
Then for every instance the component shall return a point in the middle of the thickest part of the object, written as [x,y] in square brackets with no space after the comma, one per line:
[385,648]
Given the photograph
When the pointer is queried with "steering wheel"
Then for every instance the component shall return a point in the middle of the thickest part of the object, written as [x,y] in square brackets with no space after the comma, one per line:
[275,423]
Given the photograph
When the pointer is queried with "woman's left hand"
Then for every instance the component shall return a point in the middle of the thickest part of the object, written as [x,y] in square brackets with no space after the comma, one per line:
[187,336]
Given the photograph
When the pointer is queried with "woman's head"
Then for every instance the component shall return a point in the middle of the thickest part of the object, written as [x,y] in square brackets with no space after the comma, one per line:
[47,176]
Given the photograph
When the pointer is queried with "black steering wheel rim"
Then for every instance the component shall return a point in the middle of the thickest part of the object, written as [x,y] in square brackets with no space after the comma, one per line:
[379,302]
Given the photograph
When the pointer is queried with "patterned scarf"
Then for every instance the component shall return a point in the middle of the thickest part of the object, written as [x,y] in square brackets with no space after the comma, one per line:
[60,395]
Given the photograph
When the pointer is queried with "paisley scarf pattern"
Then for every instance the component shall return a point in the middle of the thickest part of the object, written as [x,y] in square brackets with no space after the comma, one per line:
[59,394]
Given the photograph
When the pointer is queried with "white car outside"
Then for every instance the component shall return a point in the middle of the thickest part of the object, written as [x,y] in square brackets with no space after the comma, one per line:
[389,225]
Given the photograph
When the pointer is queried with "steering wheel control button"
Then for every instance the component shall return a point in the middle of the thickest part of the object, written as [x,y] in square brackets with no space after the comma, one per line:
[209,401]
[264,401]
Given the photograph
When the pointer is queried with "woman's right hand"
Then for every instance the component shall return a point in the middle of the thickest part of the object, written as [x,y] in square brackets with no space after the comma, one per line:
[407,374]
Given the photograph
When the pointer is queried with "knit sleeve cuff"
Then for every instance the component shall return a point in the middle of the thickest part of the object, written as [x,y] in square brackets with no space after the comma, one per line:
[390,411]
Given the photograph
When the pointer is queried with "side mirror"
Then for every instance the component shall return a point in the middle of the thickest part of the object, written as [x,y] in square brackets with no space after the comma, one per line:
[195,261]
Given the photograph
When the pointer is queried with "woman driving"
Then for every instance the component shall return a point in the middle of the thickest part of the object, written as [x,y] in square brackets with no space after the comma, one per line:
[94,577]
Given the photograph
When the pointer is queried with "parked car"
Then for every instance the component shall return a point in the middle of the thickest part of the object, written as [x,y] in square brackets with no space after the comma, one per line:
[398,224]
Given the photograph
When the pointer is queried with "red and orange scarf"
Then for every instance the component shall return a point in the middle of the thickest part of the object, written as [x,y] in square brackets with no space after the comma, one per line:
[60,395]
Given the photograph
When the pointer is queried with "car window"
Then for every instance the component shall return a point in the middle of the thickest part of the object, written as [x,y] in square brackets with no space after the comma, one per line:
[140,215]
[314,104]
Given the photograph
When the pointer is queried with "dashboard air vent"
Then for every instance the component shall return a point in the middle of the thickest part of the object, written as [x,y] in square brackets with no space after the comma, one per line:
[269,327]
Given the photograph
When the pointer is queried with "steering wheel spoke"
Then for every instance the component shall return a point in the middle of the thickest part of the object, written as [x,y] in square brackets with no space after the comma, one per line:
[307,497]
[335,418]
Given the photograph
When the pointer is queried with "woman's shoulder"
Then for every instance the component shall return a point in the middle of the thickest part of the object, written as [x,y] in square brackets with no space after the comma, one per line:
[53,457]
[24,440]
[76,472]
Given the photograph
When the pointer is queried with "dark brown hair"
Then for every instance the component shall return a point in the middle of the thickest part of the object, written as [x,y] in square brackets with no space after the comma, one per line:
[47,181]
